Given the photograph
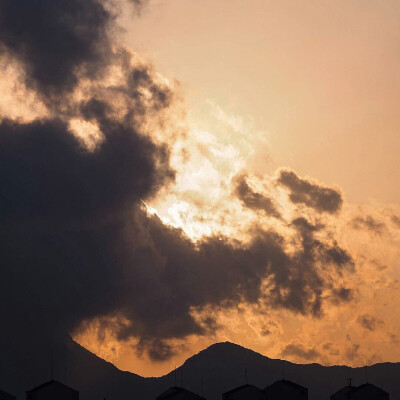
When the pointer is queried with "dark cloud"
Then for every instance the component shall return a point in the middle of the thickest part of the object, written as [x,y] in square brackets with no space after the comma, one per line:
[330,349]
[302,191]
[268,328]
[298,350]
[352,351]
[47,175]
[313,257]
[76,243]
[56,41]
[265,331]
[138,4]
[368,223]
[394,339]
[369,322]
[254,200]
[157,350]
[396,220]
[342,294]
[62,210]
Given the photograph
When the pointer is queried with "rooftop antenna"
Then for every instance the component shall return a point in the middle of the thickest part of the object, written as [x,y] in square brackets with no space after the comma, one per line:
[349,378]
[175,377]
[51,364]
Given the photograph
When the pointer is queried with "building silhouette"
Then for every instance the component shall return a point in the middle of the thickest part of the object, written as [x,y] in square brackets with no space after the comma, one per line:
[6,396]
[366,391]
[244,392]
[52,390]
[179,393]
[285,390]
[344,393]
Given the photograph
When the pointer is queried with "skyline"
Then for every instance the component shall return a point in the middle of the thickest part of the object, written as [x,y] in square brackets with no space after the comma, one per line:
[177,174]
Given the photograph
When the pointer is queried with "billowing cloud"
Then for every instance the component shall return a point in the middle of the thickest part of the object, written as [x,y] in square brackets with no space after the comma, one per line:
[254,200]
[138,4]
[330,349]
[77,242]
[352,351]
[72,225]
[368,223]
[57,42]
[342,294]
[369,322]
[313,195]
[396,220]
[298,351]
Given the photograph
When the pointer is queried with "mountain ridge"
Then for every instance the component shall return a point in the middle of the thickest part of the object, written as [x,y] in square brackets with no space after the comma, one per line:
[212,371]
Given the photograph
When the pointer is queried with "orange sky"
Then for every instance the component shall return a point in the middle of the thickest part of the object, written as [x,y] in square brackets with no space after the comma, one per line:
[318,78]
[312,86]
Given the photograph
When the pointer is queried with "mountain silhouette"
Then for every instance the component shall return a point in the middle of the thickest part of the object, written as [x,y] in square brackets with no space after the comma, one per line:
[213,371]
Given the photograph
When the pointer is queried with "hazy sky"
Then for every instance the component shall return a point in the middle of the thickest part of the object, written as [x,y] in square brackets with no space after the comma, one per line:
[198,171]
[318,78]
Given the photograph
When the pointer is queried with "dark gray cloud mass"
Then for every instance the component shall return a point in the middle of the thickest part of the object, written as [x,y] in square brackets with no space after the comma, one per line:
[75,240]
[302,191]
[254,200]
[56,41]
[298,350]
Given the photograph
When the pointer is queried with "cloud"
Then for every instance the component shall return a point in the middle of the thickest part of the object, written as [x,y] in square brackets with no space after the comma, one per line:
[330,348]
[138,4]
[368,223]
[77,243]
[313,195]
[299,351]
[314,254]
[342,294]
[352,351]
[157,350]
[369,322]
[254,200]
[396,220]
[64,206]
[57,42]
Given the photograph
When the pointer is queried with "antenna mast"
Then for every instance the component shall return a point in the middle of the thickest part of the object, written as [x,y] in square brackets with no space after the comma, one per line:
[51,364]
[349,378]
[175,384]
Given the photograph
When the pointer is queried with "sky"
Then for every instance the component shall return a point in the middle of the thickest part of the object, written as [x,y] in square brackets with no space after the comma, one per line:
[178,173]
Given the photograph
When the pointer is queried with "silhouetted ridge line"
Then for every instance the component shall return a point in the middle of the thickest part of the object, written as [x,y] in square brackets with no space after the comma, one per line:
[212,372]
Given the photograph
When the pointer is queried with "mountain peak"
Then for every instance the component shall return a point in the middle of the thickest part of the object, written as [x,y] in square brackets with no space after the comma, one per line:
[224,350]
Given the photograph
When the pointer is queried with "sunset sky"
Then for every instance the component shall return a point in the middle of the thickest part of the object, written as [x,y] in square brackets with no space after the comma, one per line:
[182,172]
